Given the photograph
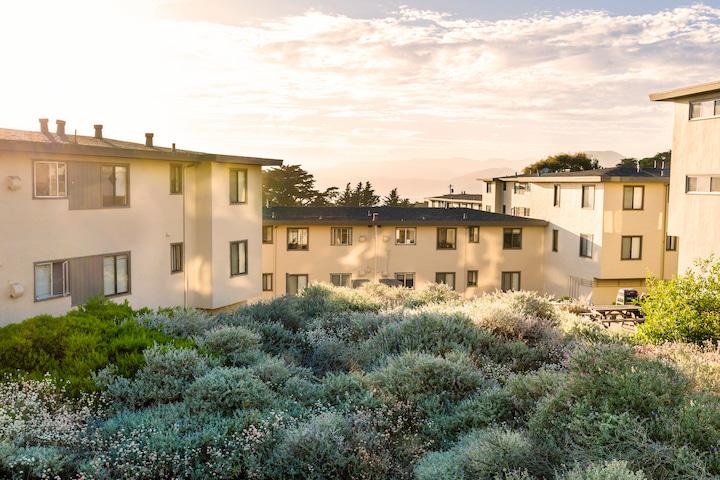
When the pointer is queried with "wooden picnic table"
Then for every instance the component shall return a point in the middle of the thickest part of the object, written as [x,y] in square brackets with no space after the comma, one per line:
[609,314]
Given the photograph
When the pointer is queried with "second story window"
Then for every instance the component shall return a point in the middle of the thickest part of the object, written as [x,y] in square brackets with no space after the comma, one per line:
[268,234]
[556,195]
[238,185]
[705,109]
[50,180]
[633,197]
[512,238]
[176,179]
[474,234]
[702,184]
[446,238]
[341,236]
[631,248]
[297,238]
[588,196]
[555,239]
[238,258]
[488,187]
[586,245]
[405,236]
[671,243]
[114,185]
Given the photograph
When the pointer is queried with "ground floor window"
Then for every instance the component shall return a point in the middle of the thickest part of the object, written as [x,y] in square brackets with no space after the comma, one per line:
[296,283]
[448,278]
[406,279]
[116,274]
[267,282]
[341,279]
[177,257]
[510,281]
[671,243]
[631,248]
[51,279]
[238,258]
[472,278]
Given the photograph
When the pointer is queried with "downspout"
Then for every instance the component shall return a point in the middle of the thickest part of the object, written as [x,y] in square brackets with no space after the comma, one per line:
[184,226]
[663,238]
[275,247]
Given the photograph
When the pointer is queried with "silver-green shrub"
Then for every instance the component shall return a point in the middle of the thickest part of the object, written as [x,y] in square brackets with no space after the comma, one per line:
[225,390]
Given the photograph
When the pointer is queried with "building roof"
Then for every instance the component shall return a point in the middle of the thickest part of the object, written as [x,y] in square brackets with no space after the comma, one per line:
[612,174]
[685,92]
[41,142]
[391,215]
[458,196]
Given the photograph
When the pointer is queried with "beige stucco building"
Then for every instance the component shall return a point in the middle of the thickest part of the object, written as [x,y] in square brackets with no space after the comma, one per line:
[695,180]
[456,200]
[607,228]
[84,216]
[473,251]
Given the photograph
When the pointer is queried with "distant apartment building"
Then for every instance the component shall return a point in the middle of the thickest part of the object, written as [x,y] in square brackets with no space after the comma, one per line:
[695,179]
[472,251]
[606,228]
[456,200]
[87,216]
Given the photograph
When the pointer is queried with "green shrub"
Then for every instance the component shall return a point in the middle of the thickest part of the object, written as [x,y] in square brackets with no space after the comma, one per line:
[234,345]
[73,346]
[613,470]
[225,390]
[684,309]
[179,322]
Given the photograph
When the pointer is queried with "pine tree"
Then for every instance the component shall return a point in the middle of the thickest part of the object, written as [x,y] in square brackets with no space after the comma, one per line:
[393,199]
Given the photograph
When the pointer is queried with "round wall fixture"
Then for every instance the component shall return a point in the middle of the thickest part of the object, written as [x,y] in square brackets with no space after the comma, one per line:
[14,183]
[16,290]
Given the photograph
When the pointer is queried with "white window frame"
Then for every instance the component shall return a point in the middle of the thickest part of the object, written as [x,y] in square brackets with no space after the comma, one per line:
[589,238]
[65,290]
[336,236]
[711,102]
[704,184]
[57,179]
[403,277]
[590,188]
[406,230]
[512,275]
[341,277]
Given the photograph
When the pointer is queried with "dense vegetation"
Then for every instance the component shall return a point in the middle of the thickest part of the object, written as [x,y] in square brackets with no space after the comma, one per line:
[377,383]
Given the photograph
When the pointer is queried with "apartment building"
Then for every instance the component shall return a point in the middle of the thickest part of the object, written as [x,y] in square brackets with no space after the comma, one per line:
[471,250]
[86,216]
[607,227]
[456,200]
[695,179]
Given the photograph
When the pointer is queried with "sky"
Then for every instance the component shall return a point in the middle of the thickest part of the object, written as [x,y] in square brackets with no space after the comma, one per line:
[331,82]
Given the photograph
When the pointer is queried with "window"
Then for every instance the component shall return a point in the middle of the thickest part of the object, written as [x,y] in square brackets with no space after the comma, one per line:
[702,184]
[405,236]
[705,109]
[177,257]
[510,281]
[488,208]
[114,185]
[474,234]
[50,180]
[472,278]
[504,186]
[267,282]
[448,278]
[588,196]
[296,283]
[268,234]
[407,279]
[631,248]
[341,236]
[297,238]
[51,280]
[238,258]
[586,245]
[520,211]
[512,238]
[116,274]
[488,187]
[633,197]
[341,279]
[555,240]
[176,179]
[521,188]
[238,185]
[671,243]
[556,195]
[446,238]
[504,209]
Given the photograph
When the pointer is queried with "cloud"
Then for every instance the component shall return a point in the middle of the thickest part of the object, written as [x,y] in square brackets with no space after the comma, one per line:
[326,88]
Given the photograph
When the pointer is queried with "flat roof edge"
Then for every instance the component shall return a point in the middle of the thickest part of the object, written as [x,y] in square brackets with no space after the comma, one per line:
[685,92]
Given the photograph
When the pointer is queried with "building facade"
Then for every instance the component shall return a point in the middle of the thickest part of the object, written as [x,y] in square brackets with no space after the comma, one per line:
[695,178]
[607,227]
[456,200]
[87,216]
[473,251]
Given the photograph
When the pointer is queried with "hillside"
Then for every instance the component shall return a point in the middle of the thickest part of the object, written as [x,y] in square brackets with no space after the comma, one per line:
[374,383]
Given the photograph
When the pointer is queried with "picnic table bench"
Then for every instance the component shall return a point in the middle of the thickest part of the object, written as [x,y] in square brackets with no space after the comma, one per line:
[609,314]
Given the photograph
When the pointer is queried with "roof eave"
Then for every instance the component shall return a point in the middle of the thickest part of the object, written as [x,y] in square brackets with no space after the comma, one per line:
[533,222]
[685,92]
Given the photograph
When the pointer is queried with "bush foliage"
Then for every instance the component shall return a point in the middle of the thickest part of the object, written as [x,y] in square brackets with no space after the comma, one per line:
[373,383]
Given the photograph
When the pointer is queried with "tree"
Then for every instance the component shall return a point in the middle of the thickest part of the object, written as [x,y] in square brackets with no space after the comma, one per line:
[290,186]
[393,199]
[363,195]
[574,162]
[656,161]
